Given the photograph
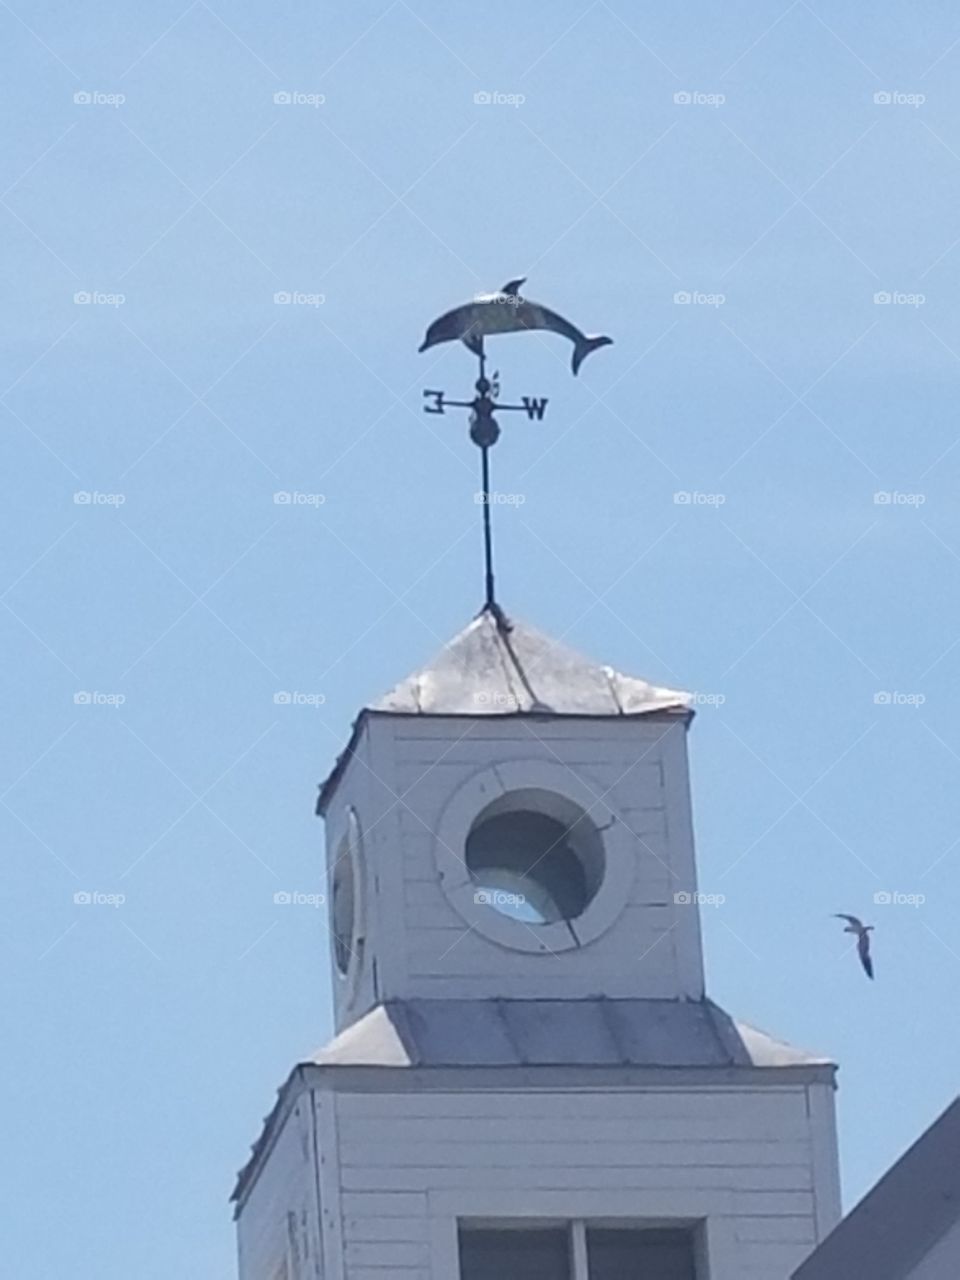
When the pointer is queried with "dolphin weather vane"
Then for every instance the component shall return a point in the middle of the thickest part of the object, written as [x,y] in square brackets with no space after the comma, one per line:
[492,313]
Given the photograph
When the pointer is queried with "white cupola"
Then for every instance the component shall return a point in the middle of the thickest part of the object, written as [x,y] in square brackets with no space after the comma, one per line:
[527,1079]
[513,821]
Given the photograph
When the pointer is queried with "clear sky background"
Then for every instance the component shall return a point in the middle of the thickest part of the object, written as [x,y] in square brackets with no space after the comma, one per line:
[145,1040]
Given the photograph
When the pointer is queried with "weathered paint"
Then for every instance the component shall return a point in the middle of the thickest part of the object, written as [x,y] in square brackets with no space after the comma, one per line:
[417,783]
[742,1160]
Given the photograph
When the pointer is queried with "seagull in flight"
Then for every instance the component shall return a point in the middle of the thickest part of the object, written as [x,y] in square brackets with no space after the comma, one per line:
[863,932]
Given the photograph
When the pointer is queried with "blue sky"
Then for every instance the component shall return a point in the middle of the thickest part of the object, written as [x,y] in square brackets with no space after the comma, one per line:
[783,166]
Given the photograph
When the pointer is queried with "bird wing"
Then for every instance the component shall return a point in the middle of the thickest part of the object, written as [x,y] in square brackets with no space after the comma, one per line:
[863,947]
[857,924]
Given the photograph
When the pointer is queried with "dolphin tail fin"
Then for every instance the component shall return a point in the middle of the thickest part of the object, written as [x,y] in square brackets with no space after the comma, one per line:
[583,348]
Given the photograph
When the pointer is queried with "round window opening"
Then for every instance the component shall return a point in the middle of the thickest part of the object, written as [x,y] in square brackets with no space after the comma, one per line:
[344,893]
[536,857]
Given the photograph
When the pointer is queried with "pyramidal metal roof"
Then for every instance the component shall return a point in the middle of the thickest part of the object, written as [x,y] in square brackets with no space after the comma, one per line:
[495,669]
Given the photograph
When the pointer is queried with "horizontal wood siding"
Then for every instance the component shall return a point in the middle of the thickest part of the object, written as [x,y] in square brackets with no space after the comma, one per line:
[278,1222]
[742,1157]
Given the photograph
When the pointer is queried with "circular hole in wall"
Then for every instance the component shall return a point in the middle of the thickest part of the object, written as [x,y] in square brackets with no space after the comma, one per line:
[535,856]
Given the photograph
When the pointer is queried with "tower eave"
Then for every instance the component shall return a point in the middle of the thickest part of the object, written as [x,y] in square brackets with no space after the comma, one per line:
[490,672]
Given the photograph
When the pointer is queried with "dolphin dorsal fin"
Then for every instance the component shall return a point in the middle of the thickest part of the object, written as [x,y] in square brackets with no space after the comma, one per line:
[512,287]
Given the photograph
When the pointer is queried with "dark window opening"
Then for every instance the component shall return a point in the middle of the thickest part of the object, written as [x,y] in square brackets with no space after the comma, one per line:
[515,1252]
[536,857]
[615,1253]
[535,1253]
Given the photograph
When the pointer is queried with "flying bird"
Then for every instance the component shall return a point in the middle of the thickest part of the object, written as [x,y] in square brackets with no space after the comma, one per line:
[507,312]
[863,932]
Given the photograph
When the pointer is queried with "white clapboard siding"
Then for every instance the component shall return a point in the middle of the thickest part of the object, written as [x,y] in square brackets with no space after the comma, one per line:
[404,779]
[741,1157]
[732,1104]
[278,1223]
[625,1152]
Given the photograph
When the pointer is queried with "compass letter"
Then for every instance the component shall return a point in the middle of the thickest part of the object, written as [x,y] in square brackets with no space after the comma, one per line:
[437,406]
[535,407]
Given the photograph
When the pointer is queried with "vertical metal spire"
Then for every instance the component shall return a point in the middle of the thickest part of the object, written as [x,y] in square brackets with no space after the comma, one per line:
[485,432]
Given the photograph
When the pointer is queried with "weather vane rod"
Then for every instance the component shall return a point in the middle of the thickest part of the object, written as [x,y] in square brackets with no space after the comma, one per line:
[503,312]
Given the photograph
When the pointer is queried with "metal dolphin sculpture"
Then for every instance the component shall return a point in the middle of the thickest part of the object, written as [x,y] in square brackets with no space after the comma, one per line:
[506,312]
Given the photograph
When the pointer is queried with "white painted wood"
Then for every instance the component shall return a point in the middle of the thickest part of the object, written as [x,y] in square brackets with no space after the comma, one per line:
[823,1132]
[329,1183]
[394,1171]
[370,1185]
[277,1228]
[417,785]
[727,1103]
[742,1160]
